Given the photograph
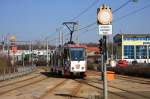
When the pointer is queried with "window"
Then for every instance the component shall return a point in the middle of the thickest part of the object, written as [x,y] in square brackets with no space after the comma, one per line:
[129,52]
[124,38]
[141,52]
[77,54]
[136,39]
[143,38]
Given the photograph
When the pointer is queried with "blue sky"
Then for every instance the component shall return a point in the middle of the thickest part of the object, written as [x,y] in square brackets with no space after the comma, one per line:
[37,19]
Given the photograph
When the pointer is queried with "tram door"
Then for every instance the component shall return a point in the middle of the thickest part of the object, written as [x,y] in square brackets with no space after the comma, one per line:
[66,57]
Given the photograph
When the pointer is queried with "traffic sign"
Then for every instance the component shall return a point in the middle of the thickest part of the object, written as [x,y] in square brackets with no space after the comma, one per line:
[105,29]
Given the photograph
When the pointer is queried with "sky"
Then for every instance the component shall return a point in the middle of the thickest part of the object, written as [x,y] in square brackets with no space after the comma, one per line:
[39,19]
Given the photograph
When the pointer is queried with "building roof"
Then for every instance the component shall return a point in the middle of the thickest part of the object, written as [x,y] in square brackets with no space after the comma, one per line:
[75,46]
[92,49]
[132,35]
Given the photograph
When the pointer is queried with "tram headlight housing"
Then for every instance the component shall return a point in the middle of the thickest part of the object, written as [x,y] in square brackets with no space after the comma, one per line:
[72,68]
[82,68]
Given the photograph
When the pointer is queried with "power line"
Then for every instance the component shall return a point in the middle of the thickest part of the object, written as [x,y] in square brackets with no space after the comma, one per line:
[133,12]
[123,5]
[84,11]
[127,15]
[113,12]
[94,23]
[95,2]
[53,39]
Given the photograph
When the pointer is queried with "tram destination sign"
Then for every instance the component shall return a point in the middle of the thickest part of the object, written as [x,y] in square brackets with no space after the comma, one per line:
[105,29]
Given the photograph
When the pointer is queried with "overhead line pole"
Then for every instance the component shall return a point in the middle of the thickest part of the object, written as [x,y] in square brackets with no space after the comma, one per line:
[47,53]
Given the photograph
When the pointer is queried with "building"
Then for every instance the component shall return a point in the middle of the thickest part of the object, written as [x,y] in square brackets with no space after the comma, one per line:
[132,47]
[93,54]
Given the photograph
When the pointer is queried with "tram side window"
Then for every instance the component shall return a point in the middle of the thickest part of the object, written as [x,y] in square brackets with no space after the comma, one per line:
[66,55]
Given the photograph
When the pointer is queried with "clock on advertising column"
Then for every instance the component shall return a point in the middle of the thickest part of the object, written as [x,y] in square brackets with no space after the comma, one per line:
[104,16]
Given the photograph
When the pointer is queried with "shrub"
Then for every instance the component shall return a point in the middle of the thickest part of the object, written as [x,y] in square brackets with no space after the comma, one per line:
[4,62]
[139,71]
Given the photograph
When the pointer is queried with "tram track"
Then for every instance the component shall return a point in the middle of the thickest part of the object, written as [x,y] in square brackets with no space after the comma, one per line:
[53,88]
[130,92]
[134,79]
[126,78]
[127,93]
[15,85]
[19,81]
[75,91]
[121,92]
[71,88]
[71,92]
[91,84]
[21,84]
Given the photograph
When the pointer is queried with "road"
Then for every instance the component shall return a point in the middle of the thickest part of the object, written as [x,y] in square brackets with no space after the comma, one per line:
[43,85]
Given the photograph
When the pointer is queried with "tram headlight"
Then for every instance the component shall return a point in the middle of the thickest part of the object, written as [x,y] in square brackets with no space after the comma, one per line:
[82,68]
[72,68]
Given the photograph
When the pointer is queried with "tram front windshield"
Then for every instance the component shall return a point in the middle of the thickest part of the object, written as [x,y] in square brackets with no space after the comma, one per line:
[77,54]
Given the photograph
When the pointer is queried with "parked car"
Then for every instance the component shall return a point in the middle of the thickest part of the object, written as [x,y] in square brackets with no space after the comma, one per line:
[122,63]
[134,62]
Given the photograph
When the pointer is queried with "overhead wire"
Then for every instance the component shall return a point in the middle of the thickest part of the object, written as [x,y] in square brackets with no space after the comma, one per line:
[133,12]
[94,23]
[84,11]
[89,7]
[123,5]
[81,13]
[127,15]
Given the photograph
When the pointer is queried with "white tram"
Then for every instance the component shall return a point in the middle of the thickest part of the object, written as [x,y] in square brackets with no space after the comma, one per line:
[69,60]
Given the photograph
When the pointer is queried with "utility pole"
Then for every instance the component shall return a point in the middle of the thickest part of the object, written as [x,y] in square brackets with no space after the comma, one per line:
[3,43]
[47,53]
[59,36]
[104,20]
[8,46]
[30,52]
[62,37]
[23,55]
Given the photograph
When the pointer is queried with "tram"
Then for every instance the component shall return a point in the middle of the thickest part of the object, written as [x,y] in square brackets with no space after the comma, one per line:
[69,60]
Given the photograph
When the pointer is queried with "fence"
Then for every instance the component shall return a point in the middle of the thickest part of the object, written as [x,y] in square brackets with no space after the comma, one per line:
[20,57]
[13,72]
